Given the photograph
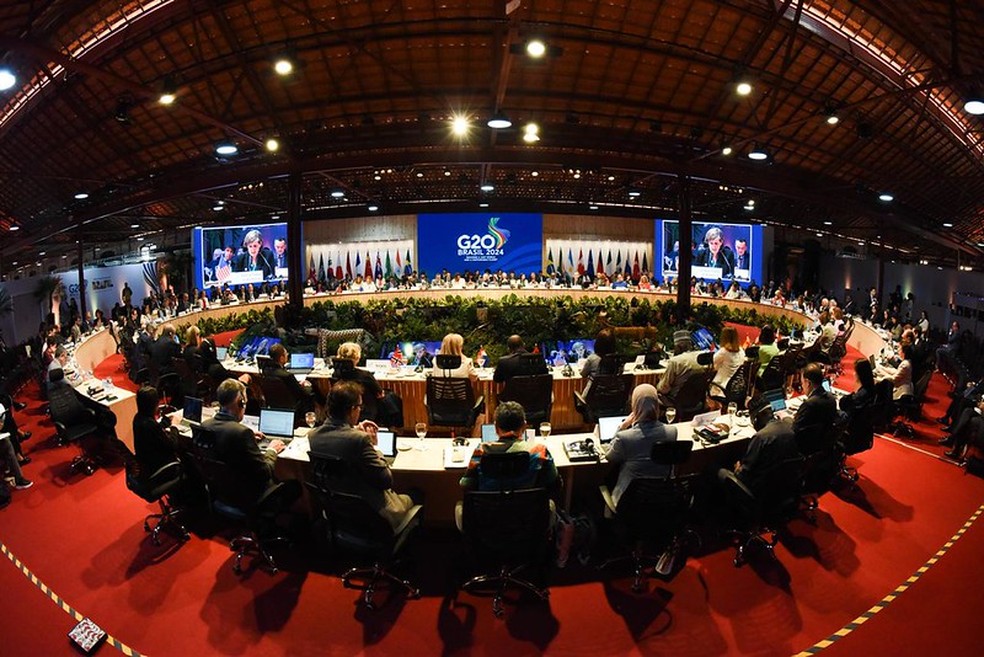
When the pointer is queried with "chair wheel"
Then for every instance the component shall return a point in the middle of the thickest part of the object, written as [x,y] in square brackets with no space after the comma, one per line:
[146,526]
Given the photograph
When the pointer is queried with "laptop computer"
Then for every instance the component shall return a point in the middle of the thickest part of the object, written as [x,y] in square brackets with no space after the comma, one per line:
[871,359]
[221,353]
[192,411]
[488,433]
[776,399]
[386,444]
[276,424]
[301,363]
[608,427]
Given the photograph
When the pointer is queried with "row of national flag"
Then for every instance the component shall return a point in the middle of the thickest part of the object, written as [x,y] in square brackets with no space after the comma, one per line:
[387,262]
[629,265]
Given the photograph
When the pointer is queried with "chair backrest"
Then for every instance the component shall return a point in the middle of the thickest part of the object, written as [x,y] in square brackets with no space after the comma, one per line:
[507,526]
[781,485]
[609,394]
[184,372]
[611,364]
[223,489]
[919,389]
[654,509]
[692,395]
[772,376]
[507,470]
[671,452]
[342,367]
[531,365]
[276,394]
[736,390]
[450,401]
[64,404]
[534,393]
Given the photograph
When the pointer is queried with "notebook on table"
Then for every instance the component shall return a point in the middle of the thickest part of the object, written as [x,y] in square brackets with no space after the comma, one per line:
[301,363]
[276,424]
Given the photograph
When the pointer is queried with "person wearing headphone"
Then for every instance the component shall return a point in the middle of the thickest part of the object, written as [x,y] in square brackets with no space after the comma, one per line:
[235,443]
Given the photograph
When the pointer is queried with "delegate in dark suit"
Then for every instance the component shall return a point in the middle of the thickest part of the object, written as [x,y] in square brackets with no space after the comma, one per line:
[154,447]
[770,446]
[263,262]
[725,260]
[235,444]
[303,398]
[369,476]
[814,420]
[162,350]
[517,364]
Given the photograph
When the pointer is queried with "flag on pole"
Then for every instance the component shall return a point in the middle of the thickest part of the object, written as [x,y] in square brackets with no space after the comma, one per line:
[628,265]
[408,268]
[389,265]
[645,262]
[618,262]
[312,272]
[608,263]
[580,261]
[570,259]
[550,263]
[358,264]
[368,273]
[379,266]
[635,268]
[591,269]
[601,264]
[399,265]
[348,266]
[321,267]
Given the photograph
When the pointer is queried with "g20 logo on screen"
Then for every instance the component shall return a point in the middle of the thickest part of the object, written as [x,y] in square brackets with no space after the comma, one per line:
[484,248]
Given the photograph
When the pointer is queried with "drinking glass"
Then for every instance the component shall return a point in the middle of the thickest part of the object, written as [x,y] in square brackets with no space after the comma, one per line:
[421,429]
[545,429]
[310,418]
[732,409]
[670,415]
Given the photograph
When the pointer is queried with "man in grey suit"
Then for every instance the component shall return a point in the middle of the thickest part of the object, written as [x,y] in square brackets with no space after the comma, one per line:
[344,437]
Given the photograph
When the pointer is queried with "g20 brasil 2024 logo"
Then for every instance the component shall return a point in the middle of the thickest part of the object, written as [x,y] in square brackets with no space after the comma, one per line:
[484,248]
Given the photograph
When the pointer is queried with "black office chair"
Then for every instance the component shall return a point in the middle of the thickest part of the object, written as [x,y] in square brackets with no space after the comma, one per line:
[737,389]
[193,383]
[73,421]
[353,526]
[276,394]
[533,393]
[766,511]
[821,470]
[256,518]
[691,399]
[607,396]
[773,376]
[509,530]
[653,511]
[451,402]
[157,487]
[859,433]
[908,408]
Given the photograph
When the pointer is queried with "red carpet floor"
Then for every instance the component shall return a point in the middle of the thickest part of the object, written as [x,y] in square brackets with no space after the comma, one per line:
[83,537]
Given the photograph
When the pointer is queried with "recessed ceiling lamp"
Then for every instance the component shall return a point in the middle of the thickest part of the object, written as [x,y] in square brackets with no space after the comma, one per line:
[483,205]
[592,207]
[635,193]
[338,194]
[885,197]
[727,150]
[534,173]
[531,133]
[758,154]
[283,65]
[134,225]
[536,48]
[947,224]
[420,174]
[218,208]
[499,122]
[487,187]
[460,125]
[81,196]
[974,106]
[226,148]
[373,208]
[7,79]
[743,88]
[12,228]
[168,92]
[833,119]
[827,223]
[272,145]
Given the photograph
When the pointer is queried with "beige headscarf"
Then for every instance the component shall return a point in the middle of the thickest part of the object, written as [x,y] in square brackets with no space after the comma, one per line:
[645,406]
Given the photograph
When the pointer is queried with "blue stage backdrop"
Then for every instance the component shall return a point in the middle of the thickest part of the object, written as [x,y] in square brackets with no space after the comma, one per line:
[459,242]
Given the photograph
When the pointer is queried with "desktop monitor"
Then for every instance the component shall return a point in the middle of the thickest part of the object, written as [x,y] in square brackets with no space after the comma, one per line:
[562,352]
[277,423]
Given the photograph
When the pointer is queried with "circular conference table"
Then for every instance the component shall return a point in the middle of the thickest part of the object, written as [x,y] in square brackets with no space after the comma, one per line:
[96,347]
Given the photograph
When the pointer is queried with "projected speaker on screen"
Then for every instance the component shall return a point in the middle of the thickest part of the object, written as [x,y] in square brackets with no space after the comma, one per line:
[720,250]
[239,255]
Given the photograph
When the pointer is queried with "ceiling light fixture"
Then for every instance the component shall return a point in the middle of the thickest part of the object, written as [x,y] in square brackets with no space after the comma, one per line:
[338,194]
[592,207]
[81,196]
[134,225]
[635,193]
[272,145]
[218,208]
[536,48]
[7,79]
[727,150]
[483,205]
[499,122]
[12,228]
[283,65]
[743,88]
[534,173]
[487,187]
[947,224]
[168,92]
[758,154]
[833,119]
[226,148]
[885,197]
[974,106]
[373,208]
[531,133]
[460,125]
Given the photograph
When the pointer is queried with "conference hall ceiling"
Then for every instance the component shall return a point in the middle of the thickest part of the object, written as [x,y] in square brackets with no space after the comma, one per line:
[633,101]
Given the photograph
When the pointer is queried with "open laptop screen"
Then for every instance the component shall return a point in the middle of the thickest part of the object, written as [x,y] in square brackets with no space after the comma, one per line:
[608,427]
[192,409]
[776,399]
[386,442]
[220,353]
[301,361]
[488,433]
[277,423]
[871,359]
